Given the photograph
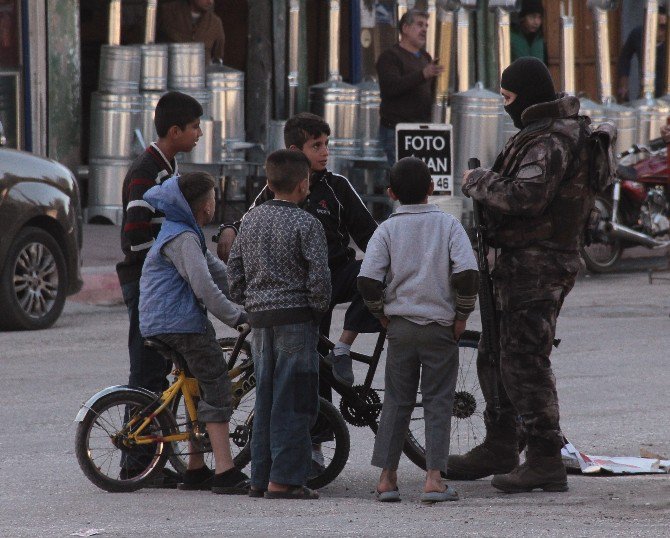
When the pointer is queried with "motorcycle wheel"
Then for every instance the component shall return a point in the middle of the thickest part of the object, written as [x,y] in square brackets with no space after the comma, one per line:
[602,254]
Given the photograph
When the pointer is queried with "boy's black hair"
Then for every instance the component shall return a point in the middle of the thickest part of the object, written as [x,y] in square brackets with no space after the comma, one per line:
[285,169]
[303,127]
[410,180]
[175,108]
[194,186]
[409,16]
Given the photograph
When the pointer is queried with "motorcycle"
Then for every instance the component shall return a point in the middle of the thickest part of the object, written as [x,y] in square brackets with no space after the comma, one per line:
[635,210]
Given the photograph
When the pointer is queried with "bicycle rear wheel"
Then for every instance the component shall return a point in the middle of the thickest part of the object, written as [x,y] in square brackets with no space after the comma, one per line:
[244,398]
[467,422]
[104,452]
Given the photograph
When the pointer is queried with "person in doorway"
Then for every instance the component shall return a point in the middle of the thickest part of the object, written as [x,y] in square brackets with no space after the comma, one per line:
[406,80]
[425,306]
[177,121]
[278,269]
[192,21]
[526,35]
[536,202]
[634,47]
[181,281]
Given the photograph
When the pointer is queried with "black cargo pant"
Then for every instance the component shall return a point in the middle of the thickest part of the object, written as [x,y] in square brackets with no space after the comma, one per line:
[530,290]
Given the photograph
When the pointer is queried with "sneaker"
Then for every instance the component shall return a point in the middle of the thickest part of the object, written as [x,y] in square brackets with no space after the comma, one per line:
[342,370]
[197,479]
[231,482]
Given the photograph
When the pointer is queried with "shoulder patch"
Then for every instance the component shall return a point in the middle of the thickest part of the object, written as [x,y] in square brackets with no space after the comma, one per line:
[529,171]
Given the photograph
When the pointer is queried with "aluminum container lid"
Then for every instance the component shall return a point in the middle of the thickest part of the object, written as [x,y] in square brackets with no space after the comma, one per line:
[222,76]
[476,97]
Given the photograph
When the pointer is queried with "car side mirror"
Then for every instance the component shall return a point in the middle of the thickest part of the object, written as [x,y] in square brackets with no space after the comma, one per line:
[3,138]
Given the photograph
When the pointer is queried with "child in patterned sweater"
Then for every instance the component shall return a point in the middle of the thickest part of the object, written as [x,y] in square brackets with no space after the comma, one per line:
[278,269]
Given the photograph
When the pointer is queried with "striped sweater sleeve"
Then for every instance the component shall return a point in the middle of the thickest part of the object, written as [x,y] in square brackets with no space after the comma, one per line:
[141,217]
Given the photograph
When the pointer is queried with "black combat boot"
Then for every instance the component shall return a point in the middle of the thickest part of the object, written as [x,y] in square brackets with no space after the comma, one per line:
[543,469]
[499,453]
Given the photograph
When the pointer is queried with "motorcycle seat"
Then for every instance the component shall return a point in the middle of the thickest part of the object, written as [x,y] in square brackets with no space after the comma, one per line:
[627,173]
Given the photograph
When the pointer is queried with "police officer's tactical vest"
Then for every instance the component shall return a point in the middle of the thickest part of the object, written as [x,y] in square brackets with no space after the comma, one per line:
[561,226]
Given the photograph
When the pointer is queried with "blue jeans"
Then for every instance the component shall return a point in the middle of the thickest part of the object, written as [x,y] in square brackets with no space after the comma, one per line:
[287,403]
[148,369]
[387,141]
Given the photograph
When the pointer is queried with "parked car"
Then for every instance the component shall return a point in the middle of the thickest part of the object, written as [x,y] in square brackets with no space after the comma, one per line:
[40,239]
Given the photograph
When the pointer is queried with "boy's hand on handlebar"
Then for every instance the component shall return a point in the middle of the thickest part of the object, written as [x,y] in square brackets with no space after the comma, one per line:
[459,328]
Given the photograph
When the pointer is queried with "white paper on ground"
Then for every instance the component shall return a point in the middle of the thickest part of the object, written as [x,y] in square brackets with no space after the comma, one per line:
[587,464]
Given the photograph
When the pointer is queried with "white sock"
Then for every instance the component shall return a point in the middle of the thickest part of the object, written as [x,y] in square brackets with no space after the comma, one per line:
[341,348]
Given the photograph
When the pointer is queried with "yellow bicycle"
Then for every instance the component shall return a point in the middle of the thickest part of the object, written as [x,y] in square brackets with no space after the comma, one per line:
[122,427]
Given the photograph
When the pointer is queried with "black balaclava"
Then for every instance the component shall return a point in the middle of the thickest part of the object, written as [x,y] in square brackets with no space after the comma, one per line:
[530,79]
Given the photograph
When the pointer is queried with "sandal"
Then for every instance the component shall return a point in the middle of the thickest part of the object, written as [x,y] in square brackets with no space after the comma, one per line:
[449,494]
[231,482]
[256,493]
[388,496]
[298,492]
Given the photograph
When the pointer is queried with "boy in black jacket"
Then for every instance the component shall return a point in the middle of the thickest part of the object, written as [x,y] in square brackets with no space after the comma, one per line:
[335,203]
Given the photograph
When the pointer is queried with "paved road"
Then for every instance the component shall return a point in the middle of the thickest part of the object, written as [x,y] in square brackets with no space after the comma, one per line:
[613,380]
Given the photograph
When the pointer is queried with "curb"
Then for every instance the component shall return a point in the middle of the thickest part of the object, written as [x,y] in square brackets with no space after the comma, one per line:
[101,287]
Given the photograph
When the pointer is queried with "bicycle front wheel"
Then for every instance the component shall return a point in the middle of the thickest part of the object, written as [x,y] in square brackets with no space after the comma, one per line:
[467,421]
[104,450]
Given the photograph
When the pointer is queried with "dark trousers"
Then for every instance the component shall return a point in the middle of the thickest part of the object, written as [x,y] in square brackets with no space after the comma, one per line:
[148,369]
[428,352]
[526,382]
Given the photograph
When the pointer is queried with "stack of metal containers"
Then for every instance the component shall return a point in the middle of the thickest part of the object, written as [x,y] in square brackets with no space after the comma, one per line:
[115,112]
[132,80]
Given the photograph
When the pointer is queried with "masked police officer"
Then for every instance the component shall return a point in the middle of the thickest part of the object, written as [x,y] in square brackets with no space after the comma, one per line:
[536,200]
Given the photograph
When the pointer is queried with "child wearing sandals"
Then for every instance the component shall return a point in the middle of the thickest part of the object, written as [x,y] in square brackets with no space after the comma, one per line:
[423,296]
[278,268]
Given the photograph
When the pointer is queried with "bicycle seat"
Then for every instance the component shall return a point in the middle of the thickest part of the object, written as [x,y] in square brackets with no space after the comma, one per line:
[169,353]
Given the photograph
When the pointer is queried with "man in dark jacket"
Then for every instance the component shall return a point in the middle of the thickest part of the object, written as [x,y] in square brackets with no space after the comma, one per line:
[634,47]
[186,21]
[536,201]
[406,80]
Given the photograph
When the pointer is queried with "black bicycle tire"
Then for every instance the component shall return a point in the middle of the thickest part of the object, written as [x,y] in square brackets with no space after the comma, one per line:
[342,446]
[82,438]
[412,449]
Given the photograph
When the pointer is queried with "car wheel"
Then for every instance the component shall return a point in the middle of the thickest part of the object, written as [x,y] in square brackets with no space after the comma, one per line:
[34,281]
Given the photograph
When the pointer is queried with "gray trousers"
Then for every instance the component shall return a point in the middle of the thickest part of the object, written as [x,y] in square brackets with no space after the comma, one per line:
[431,352]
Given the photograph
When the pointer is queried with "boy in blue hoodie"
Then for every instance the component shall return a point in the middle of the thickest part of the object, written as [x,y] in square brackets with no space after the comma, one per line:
[180,282]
